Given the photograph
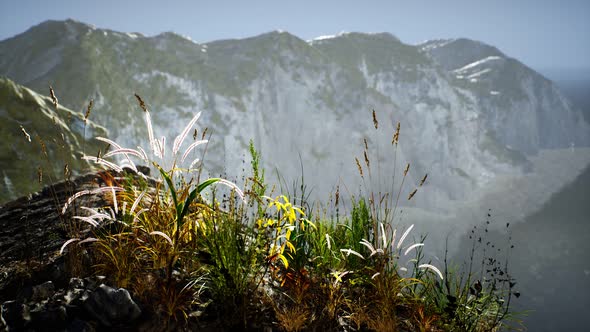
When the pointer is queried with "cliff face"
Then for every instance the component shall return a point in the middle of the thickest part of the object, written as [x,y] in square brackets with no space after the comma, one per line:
[525,111]
[468,112]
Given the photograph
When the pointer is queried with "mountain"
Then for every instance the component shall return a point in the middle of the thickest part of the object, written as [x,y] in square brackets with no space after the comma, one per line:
[468,112]
[37,140]
[524,109]
[553,269]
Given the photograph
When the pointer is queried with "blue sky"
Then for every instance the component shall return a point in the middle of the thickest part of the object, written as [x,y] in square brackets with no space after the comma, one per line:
[541,33]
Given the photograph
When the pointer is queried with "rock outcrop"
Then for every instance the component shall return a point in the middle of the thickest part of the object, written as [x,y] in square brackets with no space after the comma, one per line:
[83,305]
[36,288]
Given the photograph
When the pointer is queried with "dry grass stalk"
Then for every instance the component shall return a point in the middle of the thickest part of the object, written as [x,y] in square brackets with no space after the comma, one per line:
[294,318]
[412,194]
[42,144]
[67,172]
[423,180]
[40,174]
[375,122]
[141,102]
[385,322]
[395,139]
[358,165]
[407,169]
[27,136]
[88,109]
[425,322]
[53,97]
[367,159]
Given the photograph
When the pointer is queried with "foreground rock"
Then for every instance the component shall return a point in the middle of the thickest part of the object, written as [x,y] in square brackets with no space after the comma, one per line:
[36,291]
[112,306]
[82,306]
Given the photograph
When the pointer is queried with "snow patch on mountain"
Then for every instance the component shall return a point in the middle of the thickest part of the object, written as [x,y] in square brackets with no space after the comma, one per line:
[429,45]
[478,63]
[323,38]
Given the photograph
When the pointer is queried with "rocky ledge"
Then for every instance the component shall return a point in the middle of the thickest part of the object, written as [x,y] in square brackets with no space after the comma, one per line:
[37,290]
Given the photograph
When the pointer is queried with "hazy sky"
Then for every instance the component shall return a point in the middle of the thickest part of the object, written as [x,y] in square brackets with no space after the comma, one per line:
[541,33]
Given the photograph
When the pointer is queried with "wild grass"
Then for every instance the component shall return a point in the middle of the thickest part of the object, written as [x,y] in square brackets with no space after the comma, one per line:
[52,138]
[195,253]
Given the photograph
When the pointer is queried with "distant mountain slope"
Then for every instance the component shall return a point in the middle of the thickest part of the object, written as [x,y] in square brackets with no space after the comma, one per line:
[524,110]
[554,268]
[55,139]
[465,119]
[550,259]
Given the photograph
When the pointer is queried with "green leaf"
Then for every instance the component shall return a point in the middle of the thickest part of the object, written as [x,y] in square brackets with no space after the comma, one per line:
[170,185]
[206,184]
[191,197]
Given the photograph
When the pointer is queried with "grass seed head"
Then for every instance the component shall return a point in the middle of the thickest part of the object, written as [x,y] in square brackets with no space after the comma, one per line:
[53,97]
[358,165]
[412,194]
[375,122]
[88,109]
[27,136]
[433,269]
[423,179]
[141,102]
[395,139]
[42,144]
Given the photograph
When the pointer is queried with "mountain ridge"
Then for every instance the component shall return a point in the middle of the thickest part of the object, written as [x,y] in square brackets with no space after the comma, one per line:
[462,130]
